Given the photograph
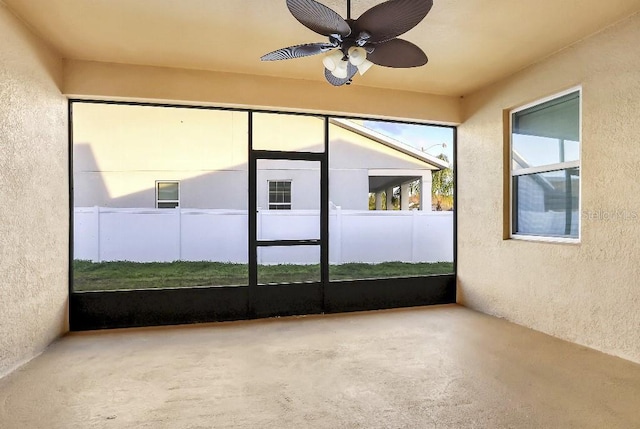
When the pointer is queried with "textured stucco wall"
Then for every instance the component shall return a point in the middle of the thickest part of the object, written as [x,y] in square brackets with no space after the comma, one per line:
[587,293]
[88,79]
[34,194]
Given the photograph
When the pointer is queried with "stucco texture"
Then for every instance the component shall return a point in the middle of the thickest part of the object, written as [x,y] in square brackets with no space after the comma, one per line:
[125,81]
[34,194]
[589,292]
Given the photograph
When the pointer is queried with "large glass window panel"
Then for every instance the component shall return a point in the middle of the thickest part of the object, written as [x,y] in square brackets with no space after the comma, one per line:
[286,132]
[391,200]
[132,163]
[547,203]
[288,264]
[545,162]
[547,133]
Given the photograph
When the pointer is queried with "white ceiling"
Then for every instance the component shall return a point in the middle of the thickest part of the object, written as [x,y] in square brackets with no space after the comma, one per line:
[470,43]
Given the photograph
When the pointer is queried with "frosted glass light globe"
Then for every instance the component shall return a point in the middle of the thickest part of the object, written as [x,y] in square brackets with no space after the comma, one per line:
[341,70]
[357,55]
[332,59]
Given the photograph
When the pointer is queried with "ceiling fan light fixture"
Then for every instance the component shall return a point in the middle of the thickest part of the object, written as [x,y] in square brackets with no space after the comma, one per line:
[364,66]
[332,59]
[355,45]
[340,71]
[357,55]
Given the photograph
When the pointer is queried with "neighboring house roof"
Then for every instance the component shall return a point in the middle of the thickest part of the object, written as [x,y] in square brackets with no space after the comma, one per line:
[436,162]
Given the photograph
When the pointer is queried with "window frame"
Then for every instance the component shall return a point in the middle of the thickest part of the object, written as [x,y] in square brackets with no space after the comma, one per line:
[560,166]
[289,204]
[158,201]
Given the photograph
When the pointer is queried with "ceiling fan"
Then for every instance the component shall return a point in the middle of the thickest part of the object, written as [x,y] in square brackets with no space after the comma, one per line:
[355,45]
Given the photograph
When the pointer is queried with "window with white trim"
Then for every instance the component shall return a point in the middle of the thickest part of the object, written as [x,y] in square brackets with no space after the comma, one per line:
[167,194]
[279,194]
[545,168]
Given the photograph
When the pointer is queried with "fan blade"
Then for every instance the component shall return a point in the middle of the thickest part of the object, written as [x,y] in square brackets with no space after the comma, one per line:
[297,51]
[335,81]
[318,17]
[398,53]
[392,18]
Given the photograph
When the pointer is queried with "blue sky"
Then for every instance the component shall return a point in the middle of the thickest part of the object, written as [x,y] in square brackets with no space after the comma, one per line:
[423,137]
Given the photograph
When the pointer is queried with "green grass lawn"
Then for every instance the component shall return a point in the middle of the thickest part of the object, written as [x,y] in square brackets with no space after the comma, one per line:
[132,275]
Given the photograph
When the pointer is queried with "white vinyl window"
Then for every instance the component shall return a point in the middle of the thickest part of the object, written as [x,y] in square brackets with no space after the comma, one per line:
[280,195]
[167,194]
[545,168]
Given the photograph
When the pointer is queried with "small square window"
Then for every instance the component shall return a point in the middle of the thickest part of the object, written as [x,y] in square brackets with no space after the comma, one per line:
[279,195]
[545,168]
[167,194]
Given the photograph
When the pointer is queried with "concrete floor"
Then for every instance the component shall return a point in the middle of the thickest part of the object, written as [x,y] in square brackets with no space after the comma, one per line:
[434,367]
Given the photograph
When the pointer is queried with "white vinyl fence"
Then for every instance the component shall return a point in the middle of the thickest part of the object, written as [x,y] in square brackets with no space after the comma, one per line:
[161,235]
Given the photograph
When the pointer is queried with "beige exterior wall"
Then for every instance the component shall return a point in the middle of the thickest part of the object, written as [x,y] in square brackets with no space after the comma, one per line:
[120,152]
[33,189]
[587,293]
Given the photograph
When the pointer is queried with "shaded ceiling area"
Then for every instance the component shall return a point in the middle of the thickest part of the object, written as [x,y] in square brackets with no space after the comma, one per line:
[470,43]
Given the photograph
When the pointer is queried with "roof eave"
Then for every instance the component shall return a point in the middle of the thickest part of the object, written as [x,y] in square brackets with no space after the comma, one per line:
[435,162]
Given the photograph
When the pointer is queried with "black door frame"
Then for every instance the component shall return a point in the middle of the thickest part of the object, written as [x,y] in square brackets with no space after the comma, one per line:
[150,307]
[278,299]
